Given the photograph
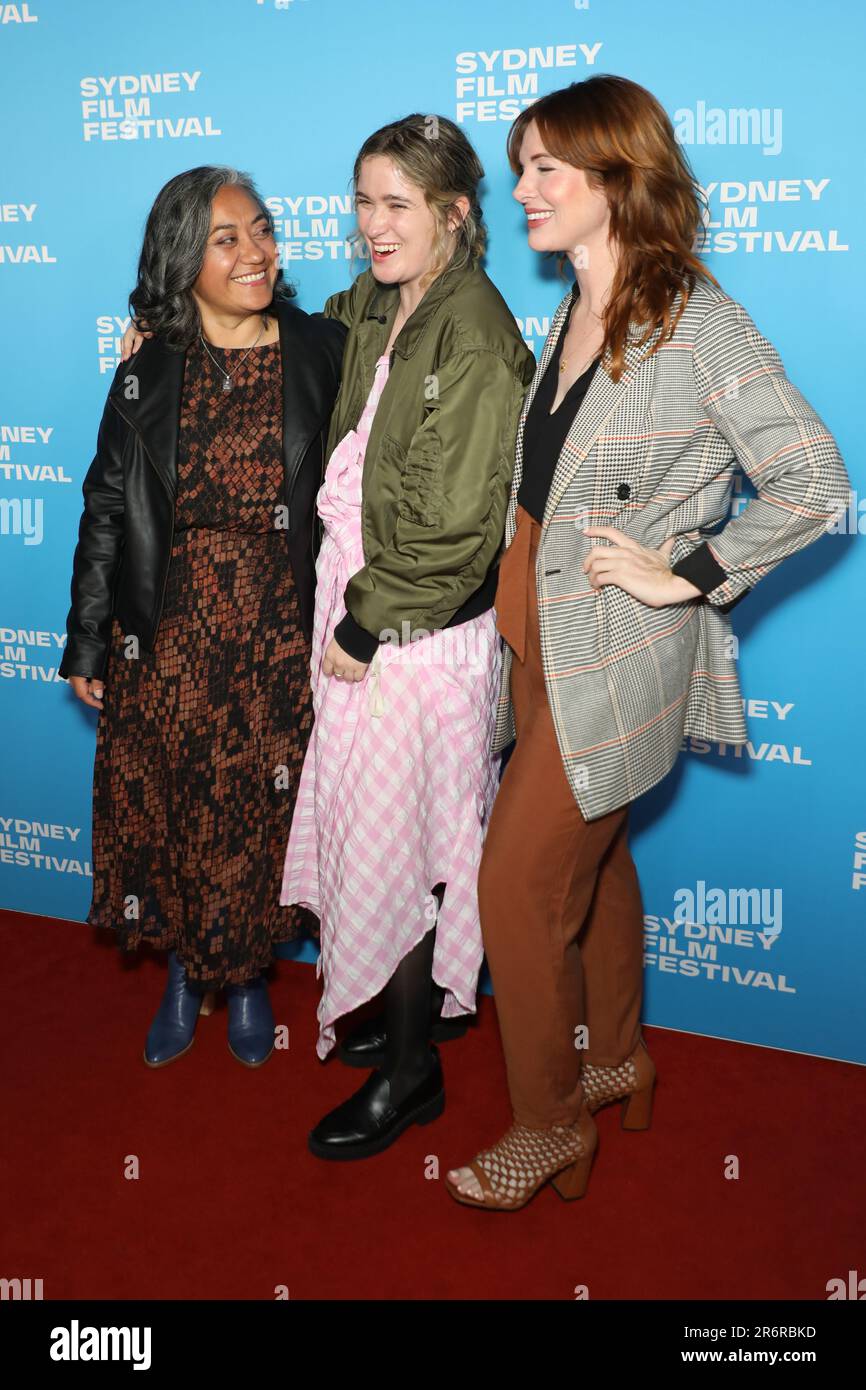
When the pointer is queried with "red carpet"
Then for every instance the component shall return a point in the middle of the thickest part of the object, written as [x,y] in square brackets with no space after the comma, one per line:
[230,1204]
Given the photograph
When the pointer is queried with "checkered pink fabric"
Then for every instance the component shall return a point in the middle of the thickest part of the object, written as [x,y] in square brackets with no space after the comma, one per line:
[397,784]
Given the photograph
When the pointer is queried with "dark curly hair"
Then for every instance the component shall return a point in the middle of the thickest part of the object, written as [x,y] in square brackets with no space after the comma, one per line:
[172,252]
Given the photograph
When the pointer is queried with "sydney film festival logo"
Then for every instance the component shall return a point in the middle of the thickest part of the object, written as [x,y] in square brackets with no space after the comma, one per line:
[143,106]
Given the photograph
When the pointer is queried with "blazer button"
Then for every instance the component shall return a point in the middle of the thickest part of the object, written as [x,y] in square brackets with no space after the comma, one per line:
[623,491]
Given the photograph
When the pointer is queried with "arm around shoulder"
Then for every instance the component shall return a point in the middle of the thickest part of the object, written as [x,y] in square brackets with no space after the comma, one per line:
[343,306]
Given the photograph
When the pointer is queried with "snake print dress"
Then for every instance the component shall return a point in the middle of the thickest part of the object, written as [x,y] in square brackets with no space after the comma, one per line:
[201,742]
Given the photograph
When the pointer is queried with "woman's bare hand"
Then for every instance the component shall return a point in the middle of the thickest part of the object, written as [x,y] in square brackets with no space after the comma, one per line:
[340,665]
[645,574]
[89,690]
[132,341]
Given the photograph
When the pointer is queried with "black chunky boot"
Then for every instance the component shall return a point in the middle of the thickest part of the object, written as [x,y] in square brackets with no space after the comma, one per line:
[407,1088]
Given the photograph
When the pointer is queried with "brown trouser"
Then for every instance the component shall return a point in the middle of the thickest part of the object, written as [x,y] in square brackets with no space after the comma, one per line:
[561,911]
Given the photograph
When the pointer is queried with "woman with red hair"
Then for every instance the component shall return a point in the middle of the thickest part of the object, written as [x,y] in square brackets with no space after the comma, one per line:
[652,387]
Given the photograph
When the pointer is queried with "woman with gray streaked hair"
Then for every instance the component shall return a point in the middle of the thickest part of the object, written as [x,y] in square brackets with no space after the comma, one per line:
[192,602]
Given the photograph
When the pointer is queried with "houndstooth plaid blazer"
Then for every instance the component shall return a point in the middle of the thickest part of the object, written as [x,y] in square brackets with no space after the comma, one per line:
[654,455]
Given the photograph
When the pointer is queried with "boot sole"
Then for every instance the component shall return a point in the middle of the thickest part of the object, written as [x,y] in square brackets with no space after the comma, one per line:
[243,1061]
[154,1066]
[422,1115]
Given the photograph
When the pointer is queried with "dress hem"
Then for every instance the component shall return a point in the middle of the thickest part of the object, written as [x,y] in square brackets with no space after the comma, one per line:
[170,939]
[452,1005]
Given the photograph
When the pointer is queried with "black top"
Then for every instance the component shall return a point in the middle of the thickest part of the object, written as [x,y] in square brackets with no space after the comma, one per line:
[544,434]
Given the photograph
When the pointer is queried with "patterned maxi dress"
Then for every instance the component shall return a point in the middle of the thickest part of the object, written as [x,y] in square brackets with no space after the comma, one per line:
[201,741]
[397,784]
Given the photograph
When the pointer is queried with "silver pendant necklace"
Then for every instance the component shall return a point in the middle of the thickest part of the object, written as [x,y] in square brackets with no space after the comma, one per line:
[227,382]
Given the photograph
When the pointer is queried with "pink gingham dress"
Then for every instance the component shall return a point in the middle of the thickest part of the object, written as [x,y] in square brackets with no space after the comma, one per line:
[397,784]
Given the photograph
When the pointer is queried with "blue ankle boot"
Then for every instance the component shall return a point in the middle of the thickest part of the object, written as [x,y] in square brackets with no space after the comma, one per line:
[173,1029]
[251,1022]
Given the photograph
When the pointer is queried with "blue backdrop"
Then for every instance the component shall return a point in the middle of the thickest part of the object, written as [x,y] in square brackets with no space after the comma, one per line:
[762,850]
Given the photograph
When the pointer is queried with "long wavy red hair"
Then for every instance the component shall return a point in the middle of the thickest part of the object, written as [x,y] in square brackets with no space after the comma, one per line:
[621,137]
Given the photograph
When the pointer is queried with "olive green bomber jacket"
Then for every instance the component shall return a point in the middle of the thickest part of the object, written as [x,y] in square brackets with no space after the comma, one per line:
[440,456]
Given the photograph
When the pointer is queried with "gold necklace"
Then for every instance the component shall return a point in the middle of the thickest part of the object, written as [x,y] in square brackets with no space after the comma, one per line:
[564,361]
[562,366]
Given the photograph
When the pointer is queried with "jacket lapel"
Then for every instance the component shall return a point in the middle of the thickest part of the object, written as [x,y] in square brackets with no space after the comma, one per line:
[599,403]
[148,395]
[303,394]
[371,335]
[546,353]
[414,328]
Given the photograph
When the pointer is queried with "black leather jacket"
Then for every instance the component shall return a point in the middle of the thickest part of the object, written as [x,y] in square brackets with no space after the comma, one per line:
[121,561]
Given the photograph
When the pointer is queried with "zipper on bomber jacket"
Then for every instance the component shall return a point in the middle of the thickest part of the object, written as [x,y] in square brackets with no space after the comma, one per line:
[171,500]
[366,471]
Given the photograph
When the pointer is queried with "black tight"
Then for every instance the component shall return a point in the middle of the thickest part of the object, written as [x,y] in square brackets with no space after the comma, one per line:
[409,998]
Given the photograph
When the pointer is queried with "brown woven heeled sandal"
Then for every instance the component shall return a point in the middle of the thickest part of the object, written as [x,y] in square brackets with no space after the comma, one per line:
[631,1082]
[515,1169]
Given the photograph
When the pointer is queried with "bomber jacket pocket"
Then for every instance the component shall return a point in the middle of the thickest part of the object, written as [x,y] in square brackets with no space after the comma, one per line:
[421,493]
